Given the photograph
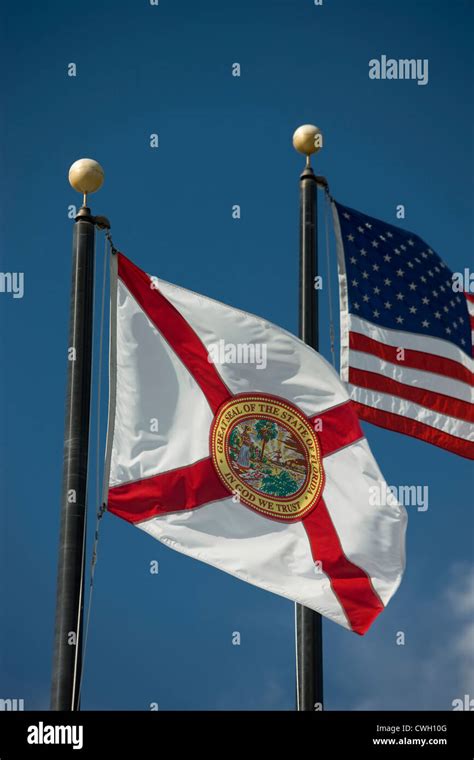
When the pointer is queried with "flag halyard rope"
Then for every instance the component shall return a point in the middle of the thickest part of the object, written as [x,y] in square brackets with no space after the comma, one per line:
[109,248]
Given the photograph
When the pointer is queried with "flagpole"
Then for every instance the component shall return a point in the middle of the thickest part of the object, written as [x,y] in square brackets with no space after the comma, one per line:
[86,176]
[308,624]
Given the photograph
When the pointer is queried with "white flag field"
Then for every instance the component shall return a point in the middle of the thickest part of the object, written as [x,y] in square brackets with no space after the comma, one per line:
[233,442]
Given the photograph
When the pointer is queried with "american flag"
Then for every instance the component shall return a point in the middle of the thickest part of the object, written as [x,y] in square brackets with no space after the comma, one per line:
[406,334]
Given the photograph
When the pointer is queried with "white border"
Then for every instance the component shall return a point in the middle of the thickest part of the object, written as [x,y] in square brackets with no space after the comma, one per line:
[112,374]
[343,299]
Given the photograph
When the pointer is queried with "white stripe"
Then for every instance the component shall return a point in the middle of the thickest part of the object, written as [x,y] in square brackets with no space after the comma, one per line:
[417,378]
[112,373]
[401,339]
[272,555]
[372,534]
[470,307]
[404,408]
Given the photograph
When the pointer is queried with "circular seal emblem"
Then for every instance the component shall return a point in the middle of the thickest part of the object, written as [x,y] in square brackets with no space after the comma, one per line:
[264,449]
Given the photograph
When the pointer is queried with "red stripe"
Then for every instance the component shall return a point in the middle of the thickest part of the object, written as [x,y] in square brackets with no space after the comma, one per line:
[350,583]
[469,297]
[338,427]
[412,358]
[174,328]
[173,491]
[438,402]
[416,429]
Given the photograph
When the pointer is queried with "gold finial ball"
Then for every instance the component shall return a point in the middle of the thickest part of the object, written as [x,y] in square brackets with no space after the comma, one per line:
[86,175]
[307,139]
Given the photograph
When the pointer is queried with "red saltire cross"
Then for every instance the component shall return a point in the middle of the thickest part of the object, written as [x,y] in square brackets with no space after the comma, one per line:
[198,484]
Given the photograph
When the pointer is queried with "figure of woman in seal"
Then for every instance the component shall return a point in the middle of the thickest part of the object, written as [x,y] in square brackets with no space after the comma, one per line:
[243,459]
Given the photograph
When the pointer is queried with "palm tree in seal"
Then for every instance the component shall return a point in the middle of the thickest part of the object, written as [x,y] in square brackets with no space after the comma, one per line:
[266,431]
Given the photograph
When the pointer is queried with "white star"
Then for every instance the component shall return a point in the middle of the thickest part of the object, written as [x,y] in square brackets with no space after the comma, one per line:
[403,247]
[351,238]
[425,323]
[412,309]
[438,314]
[425,300]
[455,325]
[376,313]
[376,290]
[363,252]
[452,303]
[396,251]
[375,244]
[410,264]
[461,320]
[388,305]
[382,238]
[356,305]
[387,258]
[435,293]
[425,255]
[448,330]
[346,215]
[355,283]
[400,272]
[437,269]
[429,250]
[365,298]
[430,273]
[446,309]
[387,281]
[360,229]
[417,260]
[399,320]
[442,264]
[375,267]
[410,242]
[412,286]
[458,299]
[463,341]
[365,275]
[389,234]
[422,278]
[353,260]
[369,226]
[400,296]
[442,288]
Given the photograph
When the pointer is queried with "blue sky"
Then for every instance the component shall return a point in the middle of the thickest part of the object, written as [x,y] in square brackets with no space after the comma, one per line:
[223,140]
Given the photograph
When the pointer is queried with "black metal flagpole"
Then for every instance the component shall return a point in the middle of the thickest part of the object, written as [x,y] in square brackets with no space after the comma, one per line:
[86,176]
[308,624]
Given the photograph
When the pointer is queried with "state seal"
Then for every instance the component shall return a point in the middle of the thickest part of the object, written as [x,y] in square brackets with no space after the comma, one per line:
[265,450]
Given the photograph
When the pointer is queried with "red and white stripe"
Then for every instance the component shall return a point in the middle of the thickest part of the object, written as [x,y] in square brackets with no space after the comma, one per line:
[164,482]
[426,391]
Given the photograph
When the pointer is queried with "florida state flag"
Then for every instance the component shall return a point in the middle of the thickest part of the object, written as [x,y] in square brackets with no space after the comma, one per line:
[233,442]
